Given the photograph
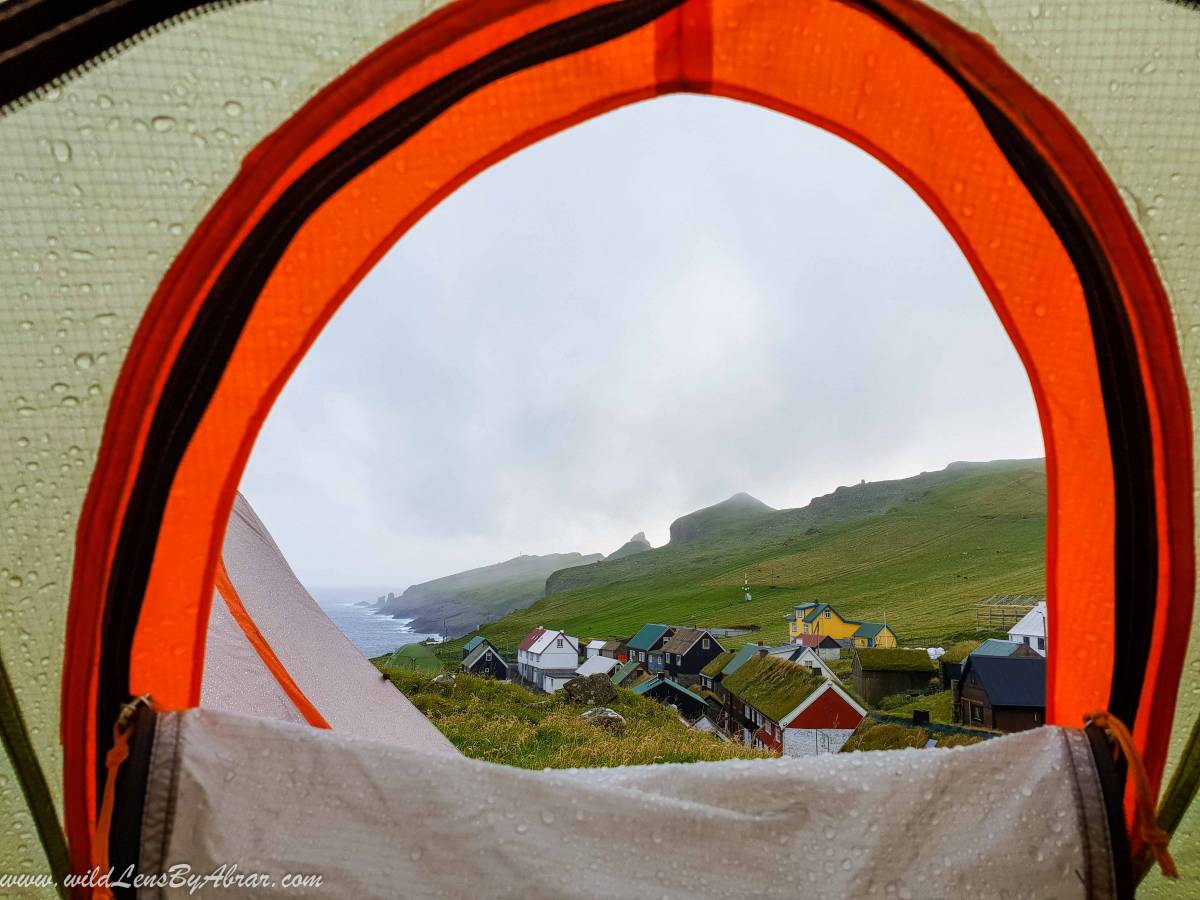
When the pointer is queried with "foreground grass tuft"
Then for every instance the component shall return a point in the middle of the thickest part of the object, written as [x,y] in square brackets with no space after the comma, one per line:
[504,723]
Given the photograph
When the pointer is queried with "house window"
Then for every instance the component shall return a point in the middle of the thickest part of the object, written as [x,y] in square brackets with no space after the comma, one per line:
[976,713]
[1041,643]
[827,614]
[1026,640]
[558,643]
[641,656]
[704,643]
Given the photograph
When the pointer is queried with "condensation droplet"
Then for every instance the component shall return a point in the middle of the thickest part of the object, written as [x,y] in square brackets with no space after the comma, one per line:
[233,108]
[84,361]
[61,151]
[162,123]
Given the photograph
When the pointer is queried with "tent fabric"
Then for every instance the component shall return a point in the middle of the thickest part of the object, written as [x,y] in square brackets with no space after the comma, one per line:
[332,673]
[700,830]
[113,168]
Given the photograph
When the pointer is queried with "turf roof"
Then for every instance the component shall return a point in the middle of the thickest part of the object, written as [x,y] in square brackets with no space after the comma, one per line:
[772,685]
[895,661]
[958,652]
[715,665]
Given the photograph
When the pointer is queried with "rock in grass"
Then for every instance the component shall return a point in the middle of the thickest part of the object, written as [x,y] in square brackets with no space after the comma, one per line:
[590,690]
[605,718]
[443,684]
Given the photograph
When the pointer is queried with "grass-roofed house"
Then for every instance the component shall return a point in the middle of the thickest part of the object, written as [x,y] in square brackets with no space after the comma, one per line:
[414,658]
[669,692]
[791,710]
[951,662]
[881,673]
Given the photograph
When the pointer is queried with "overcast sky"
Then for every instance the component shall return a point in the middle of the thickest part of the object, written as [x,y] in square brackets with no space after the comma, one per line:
[680,300]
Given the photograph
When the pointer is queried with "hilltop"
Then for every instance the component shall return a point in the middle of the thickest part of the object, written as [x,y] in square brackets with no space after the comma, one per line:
[921,551]
[456,604]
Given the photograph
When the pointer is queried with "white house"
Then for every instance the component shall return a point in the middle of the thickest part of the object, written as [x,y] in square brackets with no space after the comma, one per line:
[809,659]
[598,665]
[1031,630]
[594,648]
[547,659]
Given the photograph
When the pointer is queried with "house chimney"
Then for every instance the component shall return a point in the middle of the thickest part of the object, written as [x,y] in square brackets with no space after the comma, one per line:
[760,643]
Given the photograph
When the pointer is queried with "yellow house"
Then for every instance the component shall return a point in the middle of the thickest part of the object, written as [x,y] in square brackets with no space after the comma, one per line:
[821,618]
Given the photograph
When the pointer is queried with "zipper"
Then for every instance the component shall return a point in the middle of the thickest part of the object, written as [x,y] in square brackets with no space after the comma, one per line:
[44,44]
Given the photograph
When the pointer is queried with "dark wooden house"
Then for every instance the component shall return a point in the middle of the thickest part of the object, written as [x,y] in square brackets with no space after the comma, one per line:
[671,693]
[646,646]
[486,661]
[688,651]
[881,673]
[1007,693]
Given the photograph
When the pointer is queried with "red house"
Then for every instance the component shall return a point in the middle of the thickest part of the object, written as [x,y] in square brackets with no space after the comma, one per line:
[789,709]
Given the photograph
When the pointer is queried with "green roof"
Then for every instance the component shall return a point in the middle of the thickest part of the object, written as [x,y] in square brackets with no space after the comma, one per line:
[772,685]
[473,643]
[960,651]
[717,664]
[870,630]
[624,672]
[996,647]
[647,637]
[414,657]
[739,659]
[895,661]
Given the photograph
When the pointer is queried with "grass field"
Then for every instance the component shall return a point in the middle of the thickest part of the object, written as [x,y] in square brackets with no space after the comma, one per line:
[504,723]
[920,552]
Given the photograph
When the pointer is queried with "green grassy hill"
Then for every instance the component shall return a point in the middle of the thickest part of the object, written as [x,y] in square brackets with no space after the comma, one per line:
[921,551]
[458,603]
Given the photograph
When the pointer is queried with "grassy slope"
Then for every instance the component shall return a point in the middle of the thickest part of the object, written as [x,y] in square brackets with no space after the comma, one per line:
[923,551]
[504,723]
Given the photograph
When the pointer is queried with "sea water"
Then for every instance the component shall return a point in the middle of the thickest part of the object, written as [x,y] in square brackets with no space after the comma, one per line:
[372,634]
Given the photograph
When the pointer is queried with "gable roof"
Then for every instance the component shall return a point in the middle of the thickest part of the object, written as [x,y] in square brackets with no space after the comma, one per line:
[539,640]
[772,685]
[685,638]
[870,630]
[717,664]
[1010,680]
[956,653]
[624,672]
[829,687]
[898,660]
[1033,622]
[597,665]
[479,652]
[596,645]
[474,642]
[612,646]
[647,637]
[995,647]
[530,639]
[817,640]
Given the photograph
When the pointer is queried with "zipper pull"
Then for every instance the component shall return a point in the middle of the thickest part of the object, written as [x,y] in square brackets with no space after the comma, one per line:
[122,729]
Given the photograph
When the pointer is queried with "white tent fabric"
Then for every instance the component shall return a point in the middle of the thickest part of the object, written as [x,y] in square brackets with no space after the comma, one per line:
[335,677]
[381,821]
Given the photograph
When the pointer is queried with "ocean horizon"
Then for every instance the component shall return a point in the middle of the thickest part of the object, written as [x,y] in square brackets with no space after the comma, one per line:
[373,635]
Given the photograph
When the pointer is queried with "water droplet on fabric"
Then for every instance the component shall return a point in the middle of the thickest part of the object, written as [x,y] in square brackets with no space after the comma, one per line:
[61,151]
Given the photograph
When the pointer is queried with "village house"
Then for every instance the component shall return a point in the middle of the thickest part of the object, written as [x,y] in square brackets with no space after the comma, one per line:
[823,619]
[1031,630]
[615,650]
[593,648]
[791,709]
[598,665]
[484,660]
[669,692]
[712,676]
[881,673]
[688,651]
[1007,693]
[547,659]
[826,647]
[646,646]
